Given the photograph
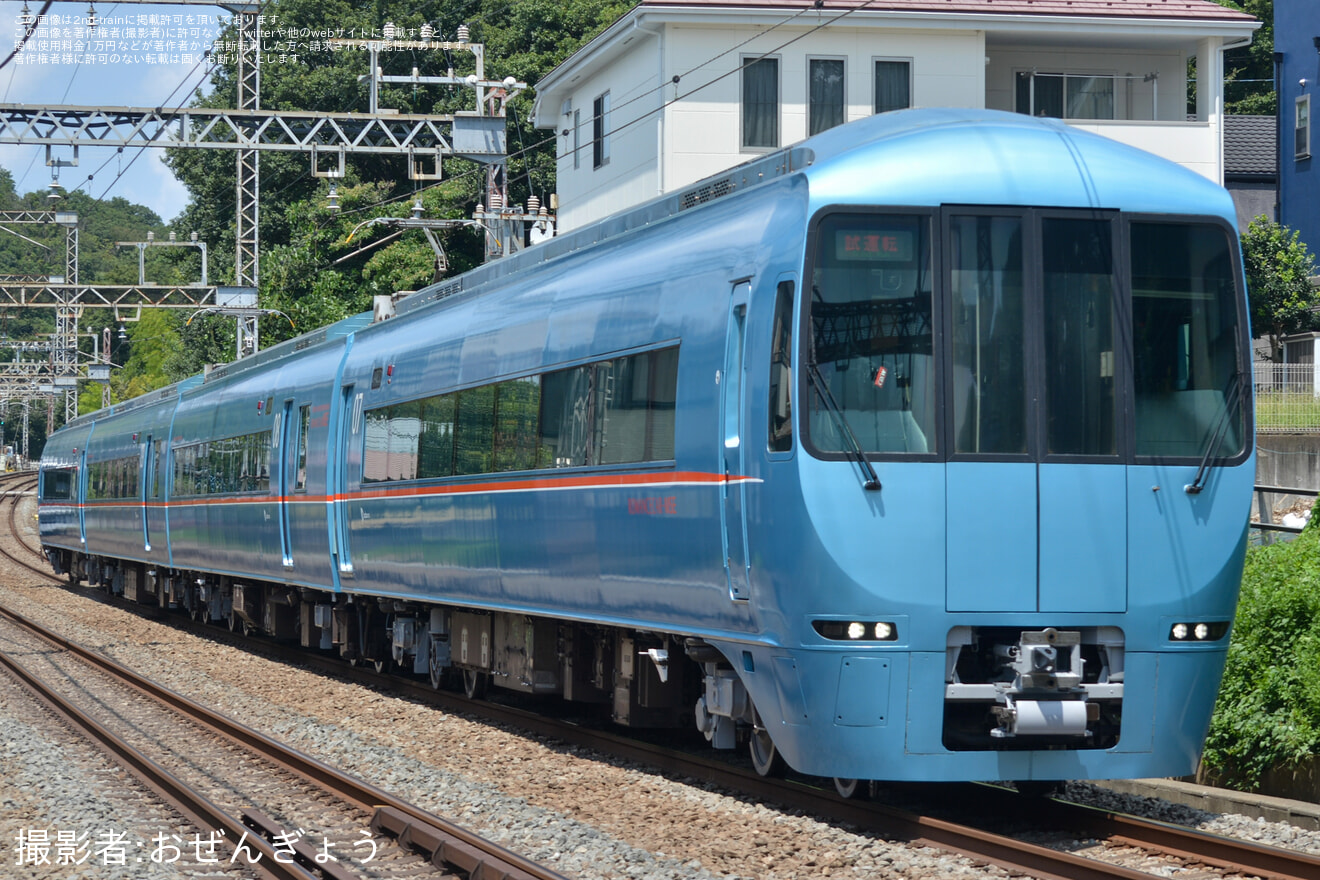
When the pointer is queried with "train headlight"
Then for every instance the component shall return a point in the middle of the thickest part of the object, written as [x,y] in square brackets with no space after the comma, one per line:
[856,630]
[1204,631]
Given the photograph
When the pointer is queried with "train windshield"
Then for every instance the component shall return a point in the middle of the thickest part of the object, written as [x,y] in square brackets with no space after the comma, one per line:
[1058,334]
[872,336]
[1186,335]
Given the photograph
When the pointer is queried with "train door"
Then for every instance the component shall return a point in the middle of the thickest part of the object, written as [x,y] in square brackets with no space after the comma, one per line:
[1083,481]
[1033,424]
[288,452]
[146,466]
[733,522]
[350,415]
[155,489]
[990,479]
[80,493]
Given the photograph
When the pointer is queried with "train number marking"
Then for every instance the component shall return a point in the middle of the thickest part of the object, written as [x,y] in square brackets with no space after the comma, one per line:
[667,506]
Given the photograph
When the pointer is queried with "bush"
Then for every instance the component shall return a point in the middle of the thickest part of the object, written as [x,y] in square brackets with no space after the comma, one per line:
[1268,713]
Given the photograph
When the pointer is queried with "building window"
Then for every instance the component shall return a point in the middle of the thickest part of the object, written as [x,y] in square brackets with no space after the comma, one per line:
[824,94]
[760,103]
[600,131]
[893,85]
[1302,144]
[1065,95]
[577,139]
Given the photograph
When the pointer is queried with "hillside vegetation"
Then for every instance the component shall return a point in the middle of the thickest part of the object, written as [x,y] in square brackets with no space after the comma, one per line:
[317,265]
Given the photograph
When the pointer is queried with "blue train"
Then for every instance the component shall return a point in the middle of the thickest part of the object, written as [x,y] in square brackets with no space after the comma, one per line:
[919,450]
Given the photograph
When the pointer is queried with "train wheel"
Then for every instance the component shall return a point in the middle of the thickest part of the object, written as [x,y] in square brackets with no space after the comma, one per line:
[852,788]
[474,683]
[765,757]
[437,671]
[380,666]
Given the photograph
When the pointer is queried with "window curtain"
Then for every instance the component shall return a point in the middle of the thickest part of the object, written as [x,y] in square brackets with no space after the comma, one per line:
[893,87]
[761,103]
[826,95]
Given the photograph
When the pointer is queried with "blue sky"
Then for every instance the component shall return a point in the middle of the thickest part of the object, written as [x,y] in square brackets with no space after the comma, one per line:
[117,76]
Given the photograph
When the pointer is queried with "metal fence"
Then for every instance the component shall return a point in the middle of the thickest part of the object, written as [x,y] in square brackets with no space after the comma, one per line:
[1267,526]
[1287,398]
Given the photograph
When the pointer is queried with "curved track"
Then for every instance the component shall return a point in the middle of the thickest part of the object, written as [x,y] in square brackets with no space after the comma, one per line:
[969,836]
[13,488]
[446,846]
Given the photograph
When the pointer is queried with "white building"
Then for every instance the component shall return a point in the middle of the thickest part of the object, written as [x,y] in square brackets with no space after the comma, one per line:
[677,90]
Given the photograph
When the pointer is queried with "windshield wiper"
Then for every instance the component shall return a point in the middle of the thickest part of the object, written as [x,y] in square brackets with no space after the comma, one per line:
[872,479]
[1231,395]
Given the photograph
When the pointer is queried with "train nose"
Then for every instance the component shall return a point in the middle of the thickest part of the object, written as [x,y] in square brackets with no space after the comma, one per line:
[1056,542]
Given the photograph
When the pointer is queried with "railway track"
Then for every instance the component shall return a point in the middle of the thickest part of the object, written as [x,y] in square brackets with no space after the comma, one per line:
[966,836]
[245,791]
[222,769]
[14,487]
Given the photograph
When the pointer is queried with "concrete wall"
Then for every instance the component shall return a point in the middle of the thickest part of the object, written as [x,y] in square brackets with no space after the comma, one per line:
[1288,460]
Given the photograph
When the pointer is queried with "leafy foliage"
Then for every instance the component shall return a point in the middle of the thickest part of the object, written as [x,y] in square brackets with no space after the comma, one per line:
[1279,269]
[318,265]
[1268,713]
[41,252]
[1249,70]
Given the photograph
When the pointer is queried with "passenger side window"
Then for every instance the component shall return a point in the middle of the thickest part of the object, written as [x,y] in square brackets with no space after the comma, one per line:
[304,423]
[781,371]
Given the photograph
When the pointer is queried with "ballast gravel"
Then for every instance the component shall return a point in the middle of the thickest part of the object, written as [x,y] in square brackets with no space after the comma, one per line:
[585,816]
[67,811]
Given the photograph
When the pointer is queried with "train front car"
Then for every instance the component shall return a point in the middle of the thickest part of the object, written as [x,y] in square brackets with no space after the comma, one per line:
[1002,519]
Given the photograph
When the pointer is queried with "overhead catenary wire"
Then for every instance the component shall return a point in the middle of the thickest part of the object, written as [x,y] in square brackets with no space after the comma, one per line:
[649,113]
[27,35]
[726,74]
[211,63]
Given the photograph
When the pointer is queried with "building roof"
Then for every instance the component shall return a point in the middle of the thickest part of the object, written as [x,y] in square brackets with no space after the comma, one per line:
[1117,23]
[1196,10]
[1250,146]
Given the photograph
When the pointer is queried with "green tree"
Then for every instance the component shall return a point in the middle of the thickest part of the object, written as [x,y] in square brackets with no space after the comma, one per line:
[310,270]
[1279,288]
[317,265]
